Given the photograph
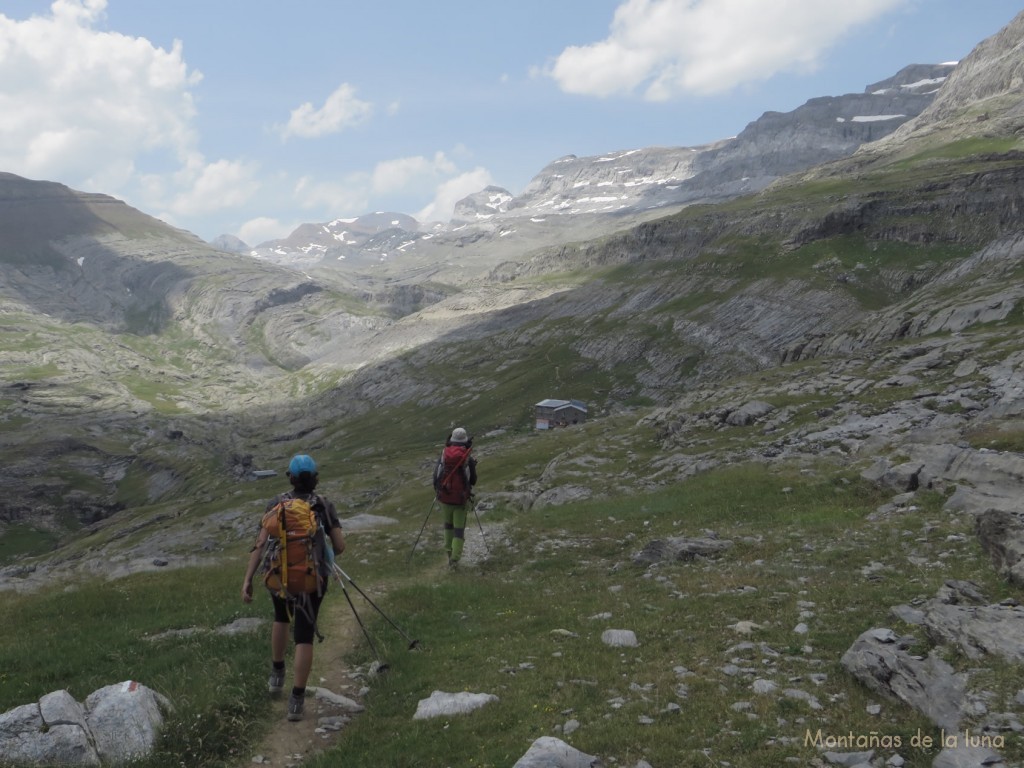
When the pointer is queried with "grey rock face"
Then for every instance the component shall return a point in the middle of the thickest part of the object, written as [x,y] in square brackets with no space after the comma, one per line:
[993,69]
[115,725]
[929,686]
[823,129]
[1001,534]
[978,631]
[52,732]
[125,720]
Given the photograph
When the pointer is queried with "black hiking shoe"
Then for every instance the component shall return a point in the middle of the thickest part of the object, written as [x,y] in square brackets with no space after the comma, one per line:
[295,707]
[275,683]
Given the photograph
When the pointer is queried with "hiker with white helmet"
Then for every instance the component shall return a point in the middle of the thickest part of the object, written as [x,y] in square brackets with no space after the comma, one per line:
[454,478]
[296,571]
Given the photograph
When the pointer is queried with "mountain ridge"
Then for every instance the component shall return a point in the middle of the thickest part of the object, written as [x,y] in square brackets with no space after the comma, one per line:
[628,182]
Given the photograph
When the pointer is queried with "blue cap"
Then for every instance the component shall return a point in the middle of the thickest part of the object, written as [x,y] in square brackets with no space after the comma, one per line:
[301,463]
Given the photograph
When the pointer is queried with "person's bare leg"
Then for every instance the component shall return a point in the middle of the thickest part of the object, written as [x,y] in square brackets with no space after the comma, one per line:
[278,641]
[303,663]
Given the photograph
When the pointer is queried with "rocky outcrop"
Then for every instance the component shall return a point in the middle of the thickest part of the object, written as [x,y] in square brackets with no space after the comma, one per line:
[977,631]
[1001,535]
[979,89]
[824,129]
[956,618]
[984,480]
[882,661]
[115,725]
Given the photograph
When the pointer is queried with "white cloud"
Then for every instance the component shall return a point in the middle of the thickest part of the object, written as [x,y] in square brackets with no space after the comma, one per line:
[453,190]
[262,229]
[214,186]
[84,106]
[394,175]
[347,195]
[341,110]
[666,48]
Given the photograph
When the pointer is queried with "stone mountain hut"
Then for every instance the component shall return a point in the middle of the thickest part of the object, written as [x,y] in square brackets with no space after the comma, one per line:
[558,413]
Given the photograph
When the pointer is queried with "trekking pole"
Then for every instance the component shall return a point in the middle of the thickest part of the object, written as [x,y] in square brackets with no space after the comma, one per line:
[480,525]
[381,666]
[421,530]
[340,573]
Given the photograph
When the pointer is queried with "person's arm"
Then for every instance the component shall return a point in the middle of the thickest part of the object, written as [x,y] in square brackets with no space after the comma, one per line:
[337,540]
[335,532]
[254,562]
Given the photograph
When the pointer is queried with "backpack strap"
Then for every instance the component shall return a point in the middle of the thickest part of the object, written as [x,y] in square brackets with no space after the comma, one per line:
[282,534]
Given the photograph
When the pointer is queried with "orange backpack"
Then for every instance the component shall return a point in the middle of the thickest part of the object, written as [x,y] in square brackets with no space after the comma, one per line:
[294,562]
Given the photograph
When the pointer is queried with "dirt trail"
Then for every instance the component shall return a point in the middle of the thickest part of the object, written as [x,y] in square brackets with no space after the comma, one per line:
[287,744]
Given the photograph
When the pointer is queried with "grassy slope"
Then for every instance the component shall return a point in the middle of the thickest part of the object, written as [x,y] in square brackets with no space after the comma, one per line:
[803,543]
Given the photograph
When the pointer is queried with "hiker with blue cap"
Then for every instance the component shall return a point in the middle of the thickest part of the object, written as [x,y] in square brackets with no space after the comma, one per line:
[299,537]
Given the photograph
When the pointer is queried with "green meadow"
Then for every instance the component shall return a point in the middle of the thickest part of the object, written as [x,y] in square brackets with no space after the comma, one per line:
[525,625]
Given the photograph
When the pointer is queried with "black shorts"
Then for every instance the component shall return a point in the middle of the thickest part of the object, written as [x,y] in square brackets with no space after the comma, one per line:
[304,610]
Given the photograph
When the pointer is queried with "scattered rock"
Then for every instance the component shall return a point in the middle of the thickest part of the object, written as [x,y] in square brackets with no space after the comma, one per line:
[441,703]
[748,413]
[680,548]
[619,638]
[849,759]
[336,699]
[744,627]
[968,757]
[549,752]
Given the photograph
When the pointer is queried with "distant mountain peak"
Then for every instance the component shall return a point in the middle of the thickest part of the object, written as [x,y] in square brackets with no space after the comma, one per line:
[481,205]
[632,181]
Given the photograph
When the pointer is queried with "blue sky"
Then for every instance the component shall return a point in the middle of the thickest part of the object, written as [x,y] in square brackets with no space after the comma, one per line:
[250,117]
